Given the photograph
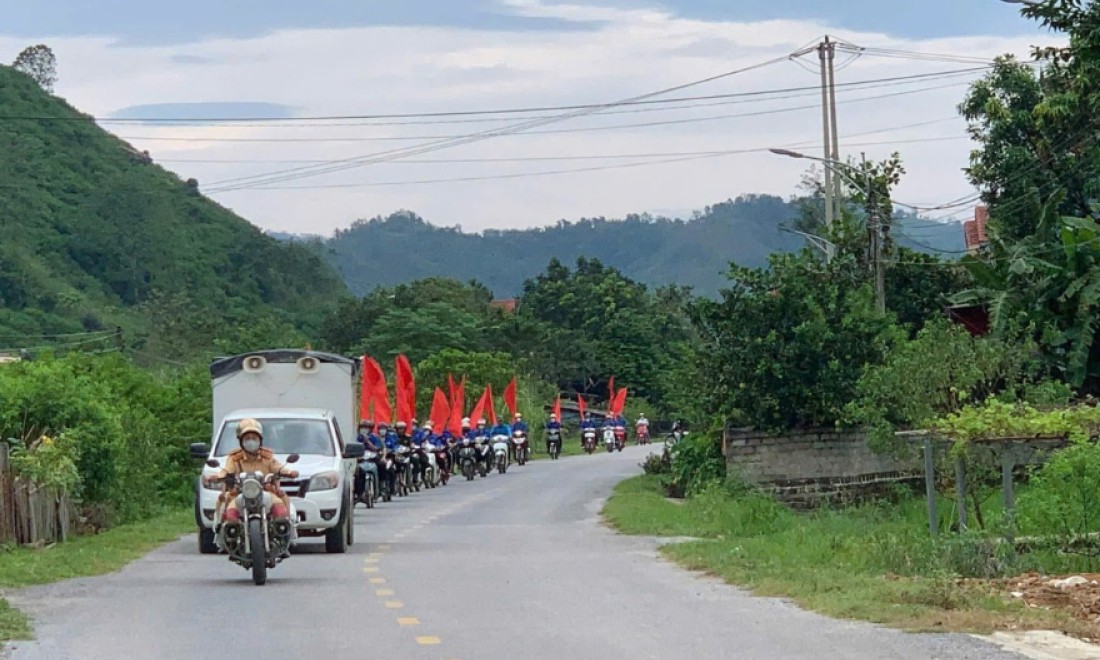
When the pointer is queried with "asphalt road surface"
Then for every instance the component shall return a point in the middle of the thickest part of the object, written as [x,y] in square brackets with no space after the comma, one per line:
[512,566]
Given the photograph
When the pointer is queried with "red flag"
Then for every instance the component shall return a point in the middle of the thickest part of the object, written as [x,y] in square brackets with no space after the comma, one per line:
[366,390]
[580,406]
[492,407]
[458,407]
[620,402]
[441,411]
[451,389]
[610,393]
[383,411]
[479,410]
[510,397]
[405,390]
[557,409]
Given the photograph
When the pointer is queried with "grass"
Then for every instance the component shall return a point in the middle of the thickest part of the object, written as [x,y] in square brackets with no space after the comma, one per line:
[873,563]
[83,556]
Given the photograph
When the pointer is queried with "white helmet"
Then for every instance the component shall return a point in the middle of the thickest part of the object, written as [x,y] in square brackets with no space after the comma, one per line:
[553,417]
[465,421]
[481,422]
[428,424]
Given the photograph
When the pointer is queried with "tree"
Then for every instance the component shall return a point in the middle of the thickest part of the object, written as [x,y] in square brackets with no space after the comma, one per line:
[39,63]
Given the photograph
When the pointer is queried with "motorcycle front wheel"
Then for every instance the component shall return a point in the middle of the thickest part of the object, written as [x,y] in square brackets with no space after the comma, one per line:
[256,547]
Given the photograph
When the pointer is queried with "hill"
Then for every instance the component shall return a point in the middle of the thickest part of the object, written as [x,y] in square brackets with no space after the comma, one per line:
[91,229]
[695,252]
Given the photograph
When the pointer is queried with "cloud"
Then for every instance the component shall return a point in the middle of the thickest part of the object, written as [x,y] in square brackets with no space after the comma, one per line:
[212,110]
[388,69]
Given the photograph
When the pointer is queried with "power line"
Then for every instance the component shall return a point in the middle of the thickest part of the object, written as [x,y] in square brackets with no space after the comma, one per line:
[667,122]
[280,176]
[505,111]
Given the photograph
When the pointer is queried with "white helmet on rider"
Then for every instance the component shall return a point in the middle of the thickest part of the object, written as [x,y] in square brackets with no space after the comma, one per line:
[481,422]
[553,417]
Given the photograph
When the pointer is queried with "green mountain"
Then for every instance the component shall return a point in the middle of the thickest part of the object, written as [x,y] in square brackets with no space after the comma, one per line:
[656,251]
[91,230]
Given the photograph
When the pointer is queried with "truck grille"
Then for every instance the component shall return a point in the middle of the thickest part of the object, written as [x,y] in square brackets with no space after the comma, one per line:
[294,488]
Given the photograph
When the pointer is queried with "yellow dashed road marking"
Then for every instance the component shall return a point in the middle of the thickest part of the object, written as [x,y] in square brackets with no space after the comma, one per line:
[378,580]
[427,640]
[383,592]
[394,604]
[383,547]
[370,569]
[372,560]
[408,621]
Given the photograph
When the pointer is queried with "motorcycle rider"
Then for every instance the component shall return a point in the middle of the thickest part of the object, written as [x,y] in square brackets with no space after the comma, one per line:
[481,435]
[405,439]
[517,425]
[422,440]
[372,443]
[442,445]
[552,425]
[252,456]
[390,442]
[641,428]
[586,423]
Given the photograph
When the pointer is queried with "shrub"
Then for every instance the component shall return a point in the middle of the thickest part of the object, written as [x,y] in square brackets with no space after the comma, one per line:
[697,462]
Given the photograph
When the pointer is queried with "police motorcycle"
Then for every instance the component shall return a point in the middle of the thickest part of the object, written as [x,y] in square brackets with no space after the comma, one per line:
[257,543]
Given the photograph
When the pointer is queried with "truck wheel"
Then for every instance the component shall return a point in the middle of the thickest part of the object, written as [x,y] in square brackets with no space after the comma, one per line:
[336,538]
[207,546]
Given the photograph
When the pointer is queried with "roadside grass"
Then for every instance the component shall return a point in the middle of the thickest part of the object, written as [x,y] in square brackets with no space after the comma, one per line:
[874,563]
[83,556]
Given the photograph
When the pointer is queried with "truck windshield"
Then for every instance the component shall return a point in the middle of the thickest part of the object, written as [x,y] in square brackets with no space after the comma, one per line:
[284,436]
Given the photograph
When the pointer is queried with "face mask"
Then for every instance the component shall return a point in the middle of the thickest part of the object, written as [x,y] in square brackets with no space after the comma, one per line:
[251,446]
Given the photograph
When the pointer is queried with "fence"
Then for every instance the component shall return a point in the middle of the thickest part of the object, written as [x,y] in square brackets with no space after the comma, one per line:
[29,514]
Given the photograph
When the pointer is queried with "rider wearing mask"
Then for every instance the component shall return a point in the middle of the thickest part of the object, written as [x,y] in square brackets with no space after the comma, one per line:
[389,440]
[553,425]
[586,423]
[517,425]
[372,443]
[252,456]
[481,434]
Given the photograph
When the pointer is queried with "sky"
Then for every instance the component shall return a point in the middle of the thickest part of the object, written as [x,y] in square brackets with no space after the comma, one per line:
[302,63]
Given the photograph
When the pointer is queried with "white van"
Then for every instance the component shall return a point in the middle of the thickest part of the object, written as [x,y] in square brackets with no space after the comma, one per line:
[305,401]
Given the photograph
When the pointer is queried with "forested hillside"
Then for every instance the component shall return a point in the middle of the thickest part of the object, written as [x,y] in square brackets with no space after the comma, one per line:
[91,230]
[657,251]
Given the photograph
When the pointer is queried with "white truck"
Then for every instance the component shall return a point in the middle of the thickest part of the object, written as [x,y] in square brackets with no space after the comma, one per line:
[306,402]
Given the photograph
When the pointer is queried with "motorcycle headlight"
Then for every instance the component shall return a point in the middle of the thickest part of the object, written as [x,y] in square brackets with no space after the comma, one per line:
[251,489]
[324,481]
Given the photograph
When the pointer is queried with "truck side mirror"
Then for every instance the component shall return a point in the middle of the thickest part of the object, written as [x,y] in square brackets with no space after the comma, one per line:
[213,462]
[354,450]
[200,451]
[293,458]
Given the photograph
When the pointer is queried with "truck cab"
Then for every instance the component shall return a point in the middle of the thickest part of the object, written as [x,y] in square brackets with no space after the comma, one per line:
[304,400]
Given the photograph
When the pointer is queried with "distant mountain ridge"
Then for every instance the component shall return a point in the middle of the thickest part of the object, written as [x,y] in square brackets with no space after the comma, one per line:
[695,252]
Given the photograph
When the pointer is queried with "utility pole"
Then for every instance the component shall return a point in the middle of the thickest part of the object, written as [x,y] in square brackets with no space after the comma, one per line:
[875,239]
[824,52]
[830,46]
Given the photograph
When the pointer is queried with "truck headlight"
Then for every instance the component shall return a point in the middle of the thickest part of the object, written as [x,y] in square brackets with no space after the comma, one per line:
[324,481]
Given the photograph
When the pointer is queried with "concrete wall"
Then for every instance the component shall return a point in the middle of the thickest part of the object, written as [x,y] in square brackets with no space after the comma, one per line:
[814,467]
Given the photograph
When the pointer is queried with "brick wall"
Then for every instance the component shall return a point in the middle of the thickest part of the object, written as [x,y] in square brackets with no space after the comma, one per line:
[809,468]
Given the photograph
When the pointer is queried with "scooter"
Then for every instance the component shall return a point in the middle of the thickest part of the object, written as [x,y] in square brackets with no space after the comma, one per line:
[522,450]
[609,439]
[553,443]
[500,453]
[589,438]
[620,438]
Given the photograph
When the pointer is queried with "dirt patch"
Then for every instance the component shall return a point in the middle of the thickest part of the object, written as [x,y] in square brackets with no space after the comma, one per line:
[1075,595]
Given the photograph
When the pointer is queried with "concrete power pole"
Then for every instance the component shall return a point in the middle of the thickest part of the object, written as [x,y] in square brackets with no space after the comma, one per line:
[876,239]
[824,53]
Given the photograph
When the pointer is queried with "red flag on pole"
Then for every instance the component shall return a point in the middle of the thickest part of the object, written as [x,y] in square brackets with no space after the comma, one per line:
[610,393]
[479,409]
[441,411]
[366,390]
[492,406]
[510,397]
[557,408]
[379,395]
[620,402]
[580,406]
[458,407]
[405,390]
[451,389]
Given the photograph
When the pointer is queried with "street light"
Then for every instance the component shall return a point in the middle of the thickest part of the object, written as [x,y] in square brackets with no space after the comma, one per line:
[873,225]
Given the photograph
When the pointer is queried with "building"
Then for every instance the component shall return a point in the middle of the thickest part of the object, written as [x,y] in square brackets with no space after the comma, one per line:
[974,231]
[507,304]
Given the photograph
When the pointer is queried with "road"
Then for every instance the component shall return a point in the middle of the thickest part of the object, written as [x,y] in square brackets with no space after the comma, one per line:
[512,566]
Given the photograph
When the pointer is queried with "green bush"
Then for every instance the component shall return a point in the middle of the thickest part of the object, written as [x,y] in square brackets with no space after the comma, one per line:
[697,462]
[1061,500]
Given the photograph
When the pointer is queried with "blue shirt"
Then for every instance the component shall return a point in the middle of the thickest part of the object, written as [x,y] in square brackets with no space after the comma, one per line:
[502,429]
[553,426]
[588,424]
[371,441]
[391,440]
[520,426]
